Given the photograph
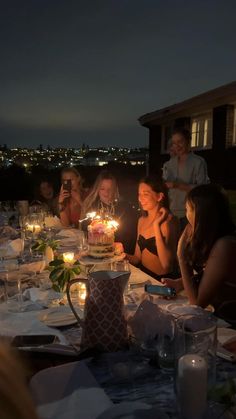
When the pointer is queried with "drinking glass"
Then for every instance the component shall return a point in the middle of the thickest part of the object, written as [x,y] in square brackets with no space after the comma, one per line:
[166,342]
[13,290]
[122,266]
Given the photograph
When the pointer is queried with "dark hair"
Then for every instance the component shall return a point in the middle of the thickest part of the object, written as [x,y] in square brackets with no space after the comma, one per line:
[212,220]
[157,186]
[184,132]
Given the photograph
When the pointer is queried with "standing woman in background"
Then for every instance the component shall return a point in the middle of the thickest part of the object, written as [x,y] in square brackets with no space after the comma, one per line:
[70,197]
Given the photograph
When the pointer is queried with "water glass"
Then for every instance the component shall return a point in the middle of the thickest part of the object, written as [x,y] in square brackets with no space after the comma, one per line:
[122,266]
[12,282]
[166,343]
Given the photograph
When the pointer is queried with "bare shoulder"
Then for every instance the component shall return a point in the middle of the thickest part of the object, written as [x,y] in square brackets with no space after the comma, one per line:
[141,222]
[170,224]
[172,221]
[225,246]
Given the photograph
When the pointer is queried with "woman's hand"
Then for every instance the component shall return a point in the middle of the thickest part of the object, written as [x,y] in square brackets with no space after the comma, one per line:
[177,284]
[162,215]
[184,241]
[63,195]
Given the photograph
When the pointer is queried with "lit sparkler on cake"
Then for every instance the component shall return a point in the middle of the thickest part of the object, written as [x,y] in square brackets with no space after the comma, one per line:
[101,237]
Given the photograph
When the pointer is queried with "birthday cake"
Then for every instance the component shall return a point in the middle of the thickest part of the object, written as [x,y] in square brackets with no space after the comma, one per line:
[101,238]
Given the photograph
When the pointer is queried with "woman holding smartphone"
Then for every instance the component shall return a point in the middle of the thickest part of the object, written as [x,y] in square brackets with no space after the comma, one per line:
[70,197]
[158,231]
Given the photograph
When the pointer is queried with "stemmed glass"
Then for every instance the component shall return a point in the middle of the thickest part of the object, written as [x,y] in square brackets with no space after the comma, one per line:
[13,287]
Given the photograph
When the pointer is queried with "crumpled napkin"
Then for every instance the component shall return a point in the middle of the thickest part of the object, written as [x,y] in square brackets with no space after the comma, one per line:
[37,266]
[69,233]
[7,232]
[43,297]
[149,321]
[53,222]
[13,248]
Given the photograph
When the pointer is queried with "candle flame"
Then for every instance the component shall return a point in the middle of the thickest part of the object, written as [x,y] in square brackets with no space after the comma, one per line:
[68,257]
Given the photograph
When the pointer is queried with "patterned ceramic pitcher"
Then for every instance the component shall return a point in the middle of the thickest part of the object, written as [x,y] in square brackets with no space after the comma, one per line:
[104,325]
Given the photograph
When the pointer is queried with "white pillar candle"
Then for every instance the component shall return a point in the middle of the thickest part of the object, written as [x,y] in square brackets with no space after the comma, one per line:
[192,386]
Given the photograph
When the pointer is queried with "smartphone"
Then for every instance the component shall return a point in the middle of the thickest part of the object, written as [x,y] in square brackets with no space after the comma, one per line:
[159,290]
[67,185]
[21,341]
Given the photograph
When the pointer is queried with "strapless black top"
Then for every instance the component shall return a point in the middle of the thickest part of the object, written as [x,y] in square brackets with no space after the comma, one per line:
[149,244]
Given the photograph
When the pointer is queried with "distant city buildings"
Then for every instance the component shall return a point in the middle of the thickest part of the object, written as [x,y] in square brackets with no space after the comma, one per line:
[51,158]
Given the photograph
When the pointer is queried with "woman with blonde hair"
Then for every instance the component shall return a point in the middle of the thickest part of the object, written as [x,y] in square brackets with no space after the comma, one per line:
[104,199]
[103,195]
[70,197]
[15,400]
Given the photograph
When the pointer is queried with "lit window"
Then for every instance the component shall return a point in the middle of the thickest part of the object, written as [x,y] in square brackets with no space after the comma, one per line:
[201,129]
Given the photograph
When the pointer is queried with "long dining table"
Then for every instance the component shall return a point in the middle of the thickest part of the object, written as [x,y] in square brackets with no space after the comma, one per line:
[128,378]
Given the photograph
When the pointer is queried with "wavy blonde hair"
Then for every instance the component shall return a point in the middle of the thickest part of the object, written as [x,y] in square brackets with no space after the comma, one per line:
[94,193]
[15,400]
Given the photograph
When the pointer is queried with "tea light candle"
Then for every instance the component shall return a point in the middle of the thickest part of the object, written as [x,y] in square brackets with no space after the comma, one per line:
[82,293]
[192,386]
[69,257]
[34,228]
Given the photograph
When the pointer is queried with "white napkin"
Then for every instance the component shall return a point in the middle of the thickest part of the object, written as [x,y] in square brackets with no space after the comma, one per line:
[42,297]
[68,391]
[7,232]
[13,248]
[226,335]
[68,232]
[148,322]
[37,266]
[53,222]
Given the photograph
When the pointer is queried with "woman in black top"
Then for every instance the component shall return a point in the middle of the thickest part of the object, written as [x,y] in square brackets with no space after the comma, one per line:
[158,231]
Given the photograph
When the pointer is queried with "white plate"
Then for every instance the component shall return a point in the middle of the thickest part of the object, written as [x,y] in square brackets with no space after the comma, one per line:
[88,260]
[132,410]
[57,317]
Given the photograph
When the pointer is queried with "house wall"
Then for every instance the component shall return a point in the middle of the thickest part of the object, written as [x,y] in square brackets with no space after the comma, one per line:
[221,160]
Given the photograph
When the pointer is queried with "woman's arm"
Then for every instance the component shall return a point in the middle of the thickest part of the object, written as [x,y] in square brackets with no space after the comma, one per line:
[185,268]
[220,267]
[62,207]
[135,259]
[166,234]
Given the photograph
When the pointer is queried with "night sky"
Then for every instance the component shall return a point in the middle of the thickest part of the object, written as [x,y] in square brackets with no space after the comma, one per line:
[84,71]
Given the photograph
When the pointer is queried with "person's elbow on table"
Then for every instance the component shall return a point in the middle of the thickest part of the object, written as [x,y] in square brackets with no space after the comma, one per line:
[177,284]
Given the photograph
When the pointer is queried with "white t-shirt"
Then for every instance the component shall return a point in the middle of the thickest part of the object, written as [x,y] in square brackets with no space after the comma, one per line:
[193,172]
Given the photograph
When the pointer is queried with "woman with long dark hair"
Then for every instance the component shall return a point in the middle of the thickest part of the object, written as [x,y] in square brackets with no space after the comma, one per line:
[208,247]
[158,231]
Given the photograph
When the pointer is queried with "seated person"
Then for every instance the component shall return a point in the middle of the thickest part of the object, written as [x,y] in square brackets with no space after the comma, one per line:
[104,199]
[70,197]
[158,231]
[208,247]
[45,195]
[15,400]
